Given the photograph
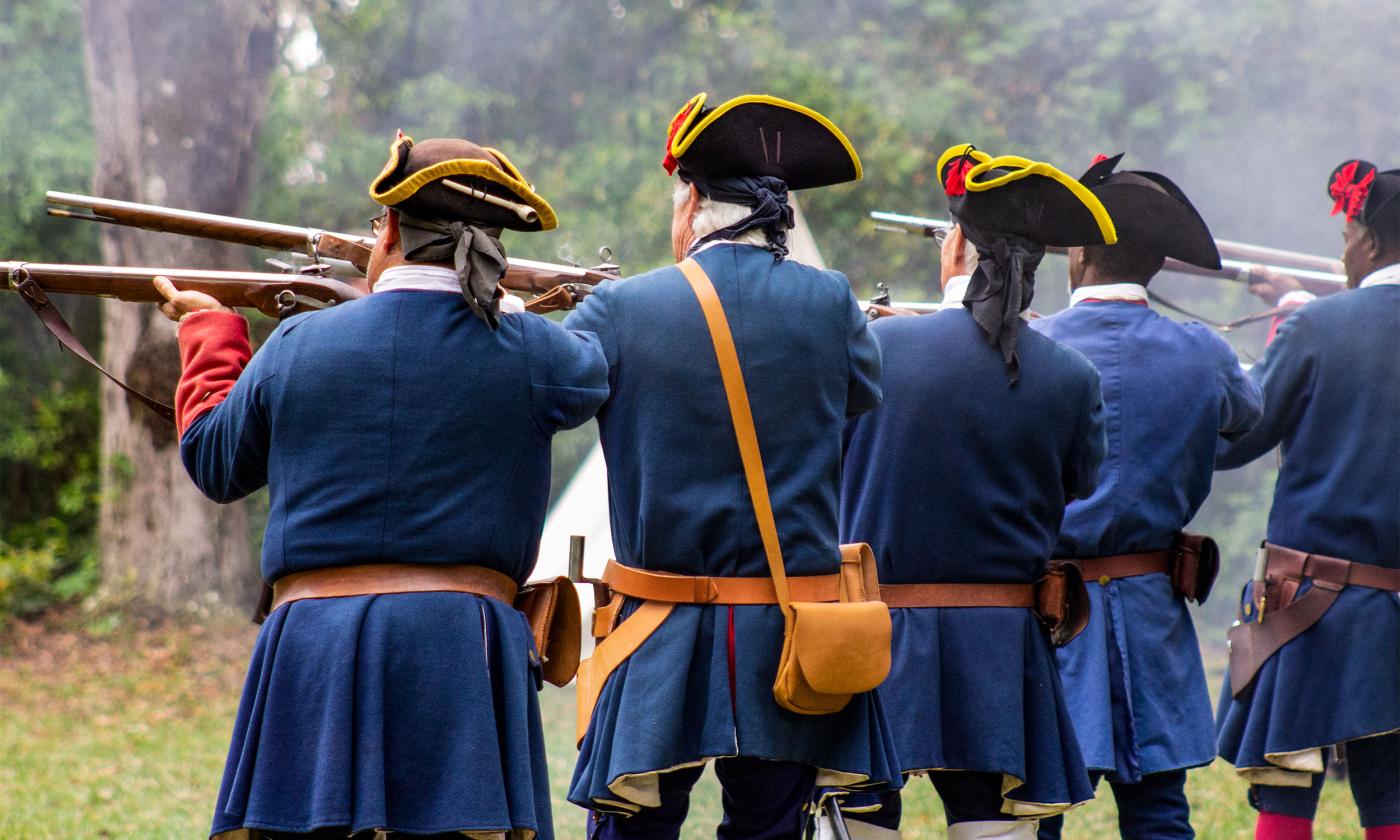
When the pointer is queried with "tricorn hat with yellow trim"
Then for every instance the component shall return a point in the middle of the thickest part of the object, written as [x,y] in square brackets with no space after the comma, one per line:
[1021,197]
[457,180]
[1152,213]
[759,135]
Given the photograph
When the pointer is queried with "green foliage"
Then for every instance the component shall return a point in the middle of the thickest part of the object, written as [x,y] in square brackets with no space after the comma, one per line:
[48,400]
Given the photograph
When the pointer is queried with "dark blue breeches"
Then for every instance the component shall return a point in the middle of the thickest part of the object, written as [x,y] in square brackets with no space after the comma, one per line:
[1154,807]
[763,800]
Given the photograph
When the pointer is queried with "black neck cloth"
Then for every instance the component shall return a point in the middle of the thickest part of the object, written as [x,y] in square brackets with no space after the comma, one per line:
[475,253]
[1001,288]
[767,196]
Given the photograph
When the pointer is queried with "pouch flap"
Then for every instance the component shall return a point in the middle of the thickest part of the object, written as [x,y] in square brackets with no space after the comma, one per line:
[556,621]
[1062,603]
[842,648]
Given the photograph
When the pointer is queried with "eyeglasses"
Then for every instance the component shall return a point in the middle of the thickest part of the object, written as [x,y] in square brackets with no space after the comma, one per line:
[940,235]
[377,223]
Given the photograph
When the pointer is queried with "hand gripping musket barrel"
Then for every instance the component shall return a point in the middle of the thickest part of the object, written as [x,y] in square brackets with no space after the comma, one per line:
[557,286]
[1318,275]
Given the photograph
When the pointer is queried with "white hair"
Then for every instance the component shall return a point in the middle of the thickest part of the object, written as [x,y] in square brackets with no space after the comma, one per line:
[717,215]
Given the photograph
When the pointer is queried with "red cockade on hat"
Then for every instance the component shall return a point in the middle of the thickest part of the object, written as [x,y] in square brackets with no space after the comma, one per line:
[669,162]
[1349,192]
[1098,159]
[957,176]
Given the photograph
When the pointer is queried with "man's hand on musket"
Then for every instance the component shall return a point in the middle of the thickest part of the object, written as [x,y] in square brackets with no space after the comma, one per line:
[1270,286]
[178,304]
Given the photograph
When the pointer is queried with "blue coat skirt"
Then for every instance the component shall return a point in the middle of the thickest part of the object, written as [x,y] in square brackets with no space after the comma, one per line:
[415,713]
[1338,681]
[672,704]
[1135,681]
[978,689]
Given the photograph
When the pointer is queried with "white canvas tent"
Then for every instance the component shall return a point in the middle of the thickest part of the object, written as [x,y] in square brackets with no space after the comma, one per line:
[583,506]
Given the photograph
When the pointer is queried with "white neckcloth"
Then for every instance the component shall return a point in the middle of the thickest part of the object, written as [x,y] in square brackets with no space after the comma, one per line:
[1109,291]
[433,278]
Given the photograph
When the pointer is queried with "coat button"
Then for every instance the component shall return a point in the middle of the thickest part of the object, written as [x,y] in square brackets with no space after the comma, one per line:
[1103,580]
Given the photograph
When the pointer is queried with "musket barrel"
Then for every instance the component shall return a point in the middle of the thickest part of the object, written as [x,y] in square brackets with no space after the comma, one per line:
[1316,274]
[154,217]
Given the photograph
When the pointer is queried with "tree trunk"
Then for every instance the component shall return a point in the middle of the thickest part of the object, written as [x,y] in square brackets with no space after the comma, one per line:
[178,91]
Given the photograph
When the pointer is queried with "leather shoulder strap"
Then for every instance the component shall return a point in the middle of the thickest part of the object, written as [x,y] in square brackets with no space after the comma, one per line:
[738,395]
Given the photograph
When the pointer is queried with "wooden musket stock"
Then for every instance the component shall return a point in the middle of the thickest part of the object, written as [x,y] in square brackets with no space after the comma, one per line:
[270,294]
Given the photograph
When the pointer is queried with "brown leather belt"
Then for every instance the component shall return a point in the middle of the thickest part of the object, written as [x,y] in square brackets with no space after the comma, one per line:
[392,579]
[1291,564]
[958,594]
[1104,569]
[702,589]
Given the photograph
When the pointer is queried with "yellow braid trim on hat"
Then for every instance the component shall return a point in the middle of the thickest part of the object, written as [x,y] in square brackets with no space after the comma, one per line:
[472,167]
[685,137]
[1022,167]
[958,151]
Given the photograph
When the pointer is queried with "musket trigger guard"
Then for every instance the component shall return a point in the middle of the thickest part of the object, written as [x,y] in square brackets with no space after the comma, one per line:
[286,303]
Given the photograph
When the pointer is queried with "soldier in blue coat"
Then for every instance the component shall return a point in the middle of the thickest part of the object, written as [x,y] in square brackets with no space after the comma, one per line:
[699,686]
[1134,679]
[1313,659]
[404,438]
[959,482]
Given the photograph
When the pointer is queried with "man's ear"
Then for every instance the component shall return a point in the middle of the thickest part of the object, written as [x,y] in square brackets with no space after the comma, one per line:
[1371,245]
[692,204]
[391,231]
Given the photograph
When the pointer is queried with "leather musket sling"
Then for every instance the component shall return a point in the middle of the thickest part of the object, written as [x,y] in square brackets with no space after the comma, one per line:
[851,628]
[1252,644]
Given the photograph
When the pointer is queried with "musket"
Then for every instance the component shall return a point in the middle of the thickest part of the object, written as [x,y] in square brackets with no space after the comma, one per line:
[521,275]
[275,295]
[1318,275]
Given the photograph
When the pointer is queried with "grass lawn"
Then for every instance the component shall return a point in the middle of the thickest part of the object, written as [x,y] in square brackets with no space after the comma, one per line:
[109,730]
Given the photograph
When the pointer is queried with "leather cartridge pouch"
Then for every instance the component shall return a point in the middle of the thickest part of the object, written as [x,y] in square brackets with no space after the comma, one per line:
[1195,562]
[831,651]
[1062,603]
[552,609]
[1277,614]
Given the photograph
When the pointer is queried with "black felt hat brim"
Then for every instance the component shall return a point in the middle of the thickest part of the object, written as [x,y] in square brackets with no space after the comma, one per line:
[1382,208]
[1161,221]
[764,136]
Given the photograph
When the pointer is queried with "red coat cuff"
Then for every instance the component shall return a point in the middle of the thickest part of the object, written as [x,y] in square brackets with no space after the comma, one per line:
[214,350]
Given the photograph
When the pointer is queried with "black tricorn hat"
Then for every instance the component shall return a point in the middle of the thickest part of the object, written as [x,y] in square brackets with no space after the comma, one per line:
[757,135]
[1022,197]
[457,180]
[1363,192]
[1151,212]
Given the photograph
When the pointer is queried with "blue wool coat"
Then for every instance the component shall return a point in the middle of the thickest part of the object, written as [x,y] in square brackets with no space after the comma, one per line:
[1331,381]
[961,477]
[395,428]
[679,503]
[1172,391]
